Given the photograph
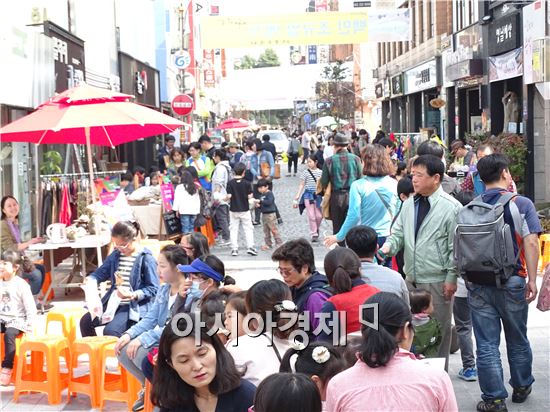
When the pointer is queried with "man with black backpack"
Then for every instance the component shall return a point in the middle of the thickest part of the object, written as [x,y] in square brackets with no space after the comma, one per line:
[496,252]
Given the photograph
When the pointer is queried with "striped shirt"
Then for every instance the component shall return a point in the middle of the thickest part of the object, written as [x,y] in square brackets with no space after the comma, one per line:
[310,184]
[126,263]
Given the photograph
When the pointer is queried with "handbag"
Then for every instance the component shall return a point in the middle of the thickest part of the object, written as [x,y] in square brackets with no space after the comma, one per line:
[325,203]
[265,170]
[277,173]
[543,303]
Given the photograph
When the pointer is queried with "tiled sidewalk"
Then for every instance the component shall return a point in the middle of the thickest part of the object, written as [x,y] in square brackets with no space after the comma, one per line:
[246,273]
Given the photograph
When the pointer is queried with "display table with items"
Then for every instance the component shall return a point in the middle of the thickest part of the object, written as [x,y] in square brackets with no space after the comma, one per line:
[82,243]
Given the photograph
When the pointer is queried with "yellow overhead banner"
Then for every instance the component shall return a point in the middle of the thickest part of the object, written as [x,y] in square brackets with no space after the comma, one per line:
[219,32]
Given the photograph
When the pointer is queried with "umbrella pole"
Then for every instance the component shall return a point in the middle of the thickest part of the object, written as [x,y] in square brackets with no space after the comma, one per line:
[90,162]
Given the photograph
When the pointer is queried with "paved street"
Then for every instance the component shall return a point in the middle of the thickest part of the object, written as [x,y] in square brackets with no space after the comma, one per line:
[247,270]
[294,225]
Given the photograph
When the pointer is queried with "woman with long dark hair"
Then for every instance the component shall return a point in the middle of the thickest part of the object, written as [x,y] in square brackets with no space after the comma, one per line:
[197,374]
[187,202]
[388,376]
[134,345]
[10,239]
[195,245]
[270,304]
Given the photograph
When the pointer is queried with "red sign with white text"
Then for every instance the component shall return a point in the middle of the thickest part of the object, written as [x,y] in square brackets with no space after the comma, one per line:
[182,104]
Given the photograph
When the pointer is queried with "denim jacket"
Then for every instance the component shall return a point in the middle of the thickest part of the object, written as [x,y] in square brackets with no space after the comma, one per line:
[150,327]
[266,157]
[144,281]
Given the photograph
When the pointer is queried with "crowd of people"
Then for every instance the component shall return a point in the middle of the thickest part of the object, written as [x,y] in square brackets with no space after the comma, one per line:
[350,339]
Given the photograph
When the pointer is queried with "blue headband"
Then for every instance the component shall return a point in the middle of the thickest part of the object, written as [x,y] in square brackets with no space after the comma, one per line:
[198,266]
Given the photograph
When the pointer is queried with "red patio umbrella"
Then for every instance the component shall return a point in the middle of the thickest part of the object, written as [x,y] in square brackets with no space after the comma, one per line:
[233,123]
[89,115]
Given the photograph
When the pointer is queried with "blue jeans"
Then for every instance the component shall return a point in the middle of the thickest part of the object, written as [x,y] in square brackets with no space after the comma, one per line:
[187,223]
[116,327]
[491,307]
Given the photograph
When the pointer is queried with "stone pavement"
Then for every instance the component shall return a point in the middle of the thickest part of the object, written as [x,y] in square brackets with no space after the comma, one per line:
[294,225]
[247,270]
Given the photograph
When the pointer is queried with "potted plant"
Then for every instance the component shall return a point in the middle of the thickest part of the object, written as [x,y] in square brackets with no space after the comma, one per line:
[51,163]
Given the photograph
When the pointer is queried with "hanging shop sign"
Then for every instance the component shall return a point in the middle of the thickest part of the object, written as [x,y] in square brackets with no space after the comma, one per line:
[533,28]
[504,34]
[506,66]
[139,79]
[397,85]
[540,60]
[464,69]
[208,62]
[379,90]
[422,77]
[68,54]
[182,59]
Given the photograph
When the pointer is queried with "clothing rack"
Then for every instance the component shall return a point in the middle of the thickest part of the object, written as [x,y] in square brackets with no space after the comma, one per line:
[83,174]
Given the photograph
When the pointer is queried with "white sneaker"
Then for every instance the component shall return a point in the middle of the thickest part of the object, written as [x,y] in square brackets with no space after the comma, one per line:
[234,252]
[251,251]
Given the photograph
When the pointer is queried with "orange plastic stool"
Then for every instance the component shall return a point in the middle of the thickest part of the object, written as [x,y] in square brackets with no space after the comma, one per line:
[18,341]
[69,318]
[88,384]
[148,405]
[52,381]
[545,250]
[45,286]
[123,387]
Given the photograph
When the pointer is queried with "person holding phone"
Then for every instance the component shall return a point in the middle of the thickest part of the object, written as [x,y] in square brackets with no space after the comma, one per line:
[134,345]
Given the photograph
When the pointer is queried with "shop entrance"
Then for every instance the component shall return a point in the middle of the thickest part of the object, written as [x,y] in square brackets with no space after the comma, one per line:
[509,110]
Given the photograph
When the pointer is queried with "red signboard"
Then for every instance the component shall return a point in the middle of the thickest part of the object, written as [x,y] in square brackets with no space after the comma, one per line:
[182,104]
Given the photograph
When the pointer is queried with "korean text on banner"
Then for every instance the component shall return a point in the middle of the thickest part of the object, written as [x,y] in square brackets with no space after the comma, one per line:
[280,30]
[167,193]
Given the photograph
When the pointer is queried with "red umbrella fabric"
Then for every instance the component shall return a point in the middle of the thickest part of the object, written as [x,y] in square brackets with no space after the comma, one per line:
[109,116]
[233,123]
[88,115]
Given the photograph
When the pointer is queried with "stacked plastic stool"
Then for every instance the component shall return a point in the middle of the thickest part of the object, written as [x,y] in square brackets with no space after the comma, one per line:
[119,387]
[32,378]
[88,384]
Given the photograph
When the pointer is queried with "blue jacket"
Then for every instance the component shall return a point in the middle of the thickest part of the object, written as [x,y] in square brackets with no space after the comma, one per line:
[144,281]
[150,327]
[367,207]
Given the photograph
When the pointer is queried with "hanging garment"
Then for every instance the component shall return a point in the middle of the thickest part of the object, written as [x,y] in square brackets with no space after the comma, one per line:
[47,199]
[65,209]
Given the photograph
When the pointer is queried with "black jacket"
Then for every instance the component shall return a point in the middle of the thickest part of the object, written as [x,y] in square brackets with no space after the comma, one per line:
[270,147]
